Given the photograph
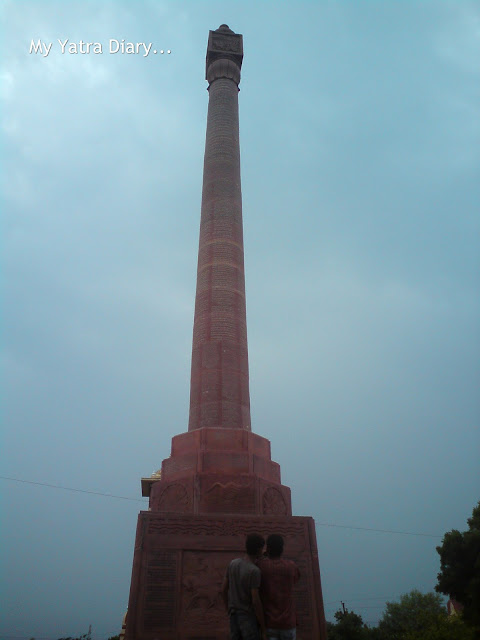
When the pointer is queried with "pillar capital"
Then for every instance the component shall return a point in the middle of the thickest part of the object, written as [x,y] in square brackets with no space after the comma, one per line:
[223,68]
[224,54]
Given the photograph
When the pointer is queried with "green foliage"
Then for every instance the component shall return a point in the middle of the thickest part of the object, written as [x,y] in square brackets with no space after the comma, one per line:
[443,628]
[114,637]
[349,626]
[459,575]
[417,616]
[413,614]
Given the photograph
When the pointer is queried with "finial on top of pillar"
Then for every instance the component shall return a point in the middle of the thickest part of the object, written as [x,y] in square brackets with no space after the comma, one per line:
[224,44]
[224,28]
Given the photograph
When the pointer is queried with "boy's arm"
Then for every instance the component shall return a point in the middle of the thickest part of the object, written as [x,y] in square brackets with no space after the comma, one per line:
[225,591]
[258,608]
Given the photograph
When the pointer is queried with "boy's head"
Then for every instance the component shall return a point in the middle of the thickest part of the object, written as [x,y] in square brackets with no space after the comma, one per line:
[254,544]
[274,545]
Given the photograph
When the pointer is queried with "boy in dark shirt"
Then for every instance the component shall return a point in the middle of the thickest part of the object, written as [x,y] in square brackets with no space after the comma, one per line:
[240,593]
[276,591]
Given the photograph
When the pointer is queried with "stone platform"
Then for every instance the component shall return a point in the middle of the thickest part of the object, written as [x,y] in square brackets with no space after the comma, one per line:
[179,564]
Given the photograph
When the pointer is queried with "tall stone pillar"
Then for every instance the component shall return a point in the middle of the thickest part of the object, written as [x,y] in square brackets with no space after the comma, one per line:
[219,484]
[219,395]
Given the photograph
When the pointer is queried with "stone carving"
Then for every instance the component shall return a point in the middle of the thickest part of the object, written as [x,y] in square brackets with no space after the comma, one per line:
[274,503]
[224,43]
[230,497]
[159,607]
[301,593]
[223,68]
[223,527]
[228,491]
[202,577]
[174,498]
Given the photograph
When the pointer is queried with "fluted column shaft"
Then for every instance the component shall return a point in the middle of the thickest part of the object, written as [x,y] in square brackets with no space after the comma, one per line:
[219,395]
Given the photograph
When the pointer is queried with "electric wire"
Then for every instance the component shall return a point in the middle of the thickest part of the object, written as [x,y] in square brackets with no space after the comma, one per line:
[403,533]
[54,486]
[318,524]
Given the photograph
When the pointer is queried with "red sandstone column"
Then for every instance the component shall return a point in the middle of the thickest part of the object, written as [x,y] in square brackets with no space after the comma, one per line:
[219,394]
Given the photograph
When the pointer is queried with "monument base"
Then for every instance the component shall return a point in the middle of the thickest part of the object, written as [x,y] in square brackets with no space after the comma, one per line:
[179,564]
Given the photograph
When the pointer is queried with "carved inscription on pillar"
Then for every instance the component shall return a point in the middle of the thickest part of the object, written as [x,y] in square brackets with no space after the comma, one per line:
[222,43]
[302,594]
[160,598]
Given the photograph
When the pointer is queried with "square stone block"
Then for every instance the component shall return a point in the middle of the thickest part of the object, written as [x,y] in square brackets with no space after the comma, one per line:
[179,564]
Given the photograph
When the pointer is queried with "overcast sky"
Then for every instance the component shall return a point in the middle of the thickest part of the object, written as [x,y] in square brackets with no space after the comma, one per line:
[360,145]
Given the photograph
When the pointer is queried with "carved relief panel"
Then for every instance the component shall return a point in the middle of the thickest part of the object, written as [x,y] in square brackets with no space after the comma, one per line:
[227,494]
[174,497]
[202,577]
[273,503]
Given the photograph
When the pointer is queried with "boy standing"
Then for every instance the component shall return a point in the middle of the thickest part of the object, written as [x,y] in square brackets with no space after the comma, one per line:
[278,579]
[240,593]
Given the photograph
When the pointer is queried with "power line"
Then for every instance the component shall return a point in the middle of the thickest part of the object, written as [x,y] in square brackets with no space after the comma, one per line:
[54,486]
[403,533]
[357,606]
[377,606]
[362,599]
[4,636]
[319,524]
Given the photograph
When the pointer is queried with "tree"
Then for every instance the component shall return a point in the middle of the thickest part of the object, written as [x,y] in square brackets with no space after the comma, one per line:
[349,626]
[444,627]
[459,575]
[413,614]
